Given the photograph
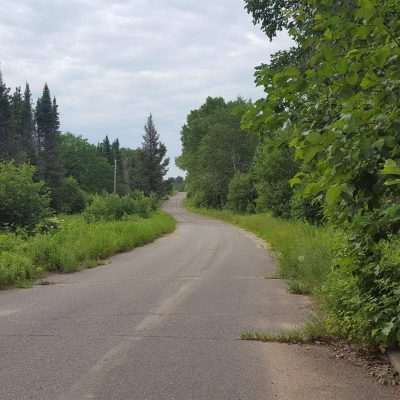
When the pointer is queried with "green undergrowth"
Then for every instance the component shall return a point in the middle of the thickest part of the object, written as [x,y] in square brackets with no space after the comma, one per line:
[306,253]
[75,246]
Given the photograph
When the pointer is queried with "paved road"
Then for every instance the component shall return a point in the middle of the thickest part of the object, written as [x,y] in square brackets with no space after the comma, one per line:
[162,323]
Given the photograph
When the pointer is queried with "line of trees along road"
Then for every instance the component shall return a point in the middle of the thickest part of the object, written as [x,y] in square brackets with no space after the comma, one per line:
[69,165]
[322,146]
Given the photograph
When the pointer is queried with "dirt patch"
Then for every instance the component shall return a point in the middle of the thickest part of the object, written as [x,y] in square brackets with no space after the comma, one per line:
[375,363]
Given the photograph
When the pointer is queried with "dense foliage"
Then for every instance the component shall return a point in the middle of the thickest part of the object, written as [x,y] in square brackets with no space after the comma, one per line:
[113,207]
[31,135]
[335,100]
[215,148]
[24,203]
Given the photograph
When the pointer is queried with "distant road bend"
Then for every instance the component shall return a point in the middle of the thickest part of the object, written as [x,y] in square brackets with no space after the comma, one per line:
[163,323]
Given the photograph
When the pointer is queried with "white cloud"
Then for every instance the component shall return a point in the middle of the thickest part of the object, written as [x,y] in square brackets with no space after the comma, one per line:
[111,63]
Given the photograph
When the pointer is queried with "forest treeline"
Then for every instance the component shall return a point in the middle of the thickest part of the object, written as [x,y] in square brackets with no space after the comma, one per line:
[322,146]
[68,164]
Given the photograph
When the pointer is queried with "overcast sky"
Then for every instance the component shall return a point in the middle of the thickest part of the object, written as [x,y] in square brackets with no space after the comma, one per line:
[110,63]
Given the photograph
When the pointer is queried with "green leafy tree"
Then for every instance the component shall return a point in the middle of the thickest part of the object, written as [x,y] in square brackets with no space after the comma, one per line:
[242,193]
[85,164]
[24,202]
[74,198]
[215,148]
[274,167]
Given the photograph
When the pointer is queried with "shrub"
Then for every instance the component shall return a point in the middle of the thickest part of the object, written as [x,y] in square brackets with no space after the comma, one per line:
[72,197]
[15,268]
[23,202]
[360,310]
[242,194]
[114,207]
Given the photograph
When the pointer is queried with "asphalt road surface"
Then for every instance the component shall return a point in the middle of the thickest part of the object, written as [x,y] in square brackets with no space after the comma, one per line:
[163,323]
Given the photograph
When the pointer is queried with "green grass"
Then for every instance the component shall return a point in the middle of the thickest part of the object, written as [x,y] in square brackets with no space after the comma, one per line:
[313,330]
[77,245]
[305,253]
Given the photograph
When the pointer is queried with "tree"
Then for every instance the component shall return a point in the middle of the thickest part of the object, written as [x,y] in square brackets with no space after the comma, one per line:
[274,167]
[73,197]
[6,134]
[50,166]
[82,161]
[122,186]
[215,148]
[27,127]
[106,150]
[153,164]
[242,193]
[24,202]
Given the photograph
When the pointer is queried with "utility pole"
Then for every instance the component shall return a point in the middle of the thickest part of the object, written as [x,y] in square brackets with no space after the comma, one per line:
[115,175]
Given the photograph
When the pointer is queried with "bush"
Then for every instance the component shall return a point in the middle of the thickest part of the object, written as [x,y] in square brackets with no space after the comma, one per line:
[73,199]
[112,207]
[360,310]
[23,202]
[242,194]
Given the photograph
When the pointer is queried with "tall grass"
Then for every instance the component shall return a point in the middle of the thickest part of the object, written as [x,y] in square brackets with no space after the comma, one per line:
[76,245]
[305,253]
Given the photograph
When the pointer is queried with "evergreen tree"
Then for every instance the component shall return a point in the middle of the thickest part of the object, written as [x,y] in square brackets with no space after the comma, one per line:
[106,150]
[154,164]
[27,127]
[5,122]
[16,112]
[116,156]
[50,166]
[16,102]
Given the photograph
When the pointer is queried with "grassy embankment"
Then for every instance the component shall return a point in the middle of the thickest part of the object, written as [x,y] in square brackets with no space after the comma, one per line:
[75,246]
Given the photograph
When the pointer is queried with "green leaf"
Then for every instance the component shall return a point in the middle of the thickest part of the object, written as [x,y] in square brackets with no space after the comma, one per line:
[391,168]
[392,182]
[381,56]
[333,194]
[370,80]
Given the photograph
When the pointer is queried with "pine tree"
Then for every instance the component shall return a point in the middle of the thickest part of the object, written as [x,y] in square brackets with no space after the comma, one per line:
[122,184]
[16,151]
[154,163]
[106,150]
[6,135]
[28,129]
[50,166]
